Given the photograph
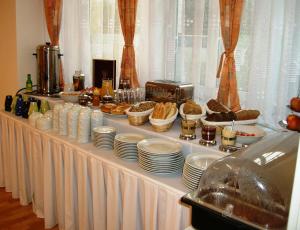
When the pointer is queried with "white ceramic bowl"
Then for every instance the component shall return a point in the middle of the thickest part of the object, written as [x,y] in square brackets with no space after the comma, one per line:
[259,133]
[44,123]
[70,96]
[160,122]
[191,116]
[33,118]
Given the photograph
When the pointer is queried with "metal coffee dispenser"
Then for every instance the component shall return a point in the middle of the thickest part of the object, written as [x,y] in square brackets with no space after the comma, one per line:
[48,65]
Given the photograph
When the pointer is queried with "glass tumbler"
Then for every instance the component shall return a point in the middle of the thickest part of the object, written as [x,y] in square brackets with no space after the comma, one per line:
[33,108]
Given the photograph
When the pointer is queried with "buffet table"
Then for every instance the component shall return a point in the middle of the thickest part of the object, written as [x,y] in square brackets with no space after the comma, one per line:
[78,186]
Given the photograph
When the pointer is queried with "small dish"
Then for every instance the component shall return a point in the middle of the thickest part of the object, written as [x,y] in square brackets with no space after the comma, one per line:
[248,134]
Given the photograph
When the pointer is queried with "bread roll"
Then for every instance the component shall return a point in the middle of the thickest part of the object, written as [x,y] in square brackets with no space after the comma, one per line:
[172,111]
[159,111]
[247,114]
[168,107]
[190,107]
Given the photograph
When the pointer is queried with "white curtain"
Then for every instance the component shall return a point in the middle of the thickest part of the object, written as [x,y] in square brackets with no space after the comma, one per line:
[180,40]
[274,57]
[76,39]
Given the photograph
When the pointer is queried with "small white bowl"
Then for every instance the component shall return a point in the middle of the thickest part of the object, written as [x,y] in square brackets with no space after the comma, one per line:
[191,116]
[259,133]
[70,96]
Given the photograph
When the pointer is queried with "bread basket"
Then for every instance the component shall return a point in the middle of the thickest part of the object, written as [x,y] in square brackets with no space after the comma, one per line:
[192,116]
[162,125]
[138,118]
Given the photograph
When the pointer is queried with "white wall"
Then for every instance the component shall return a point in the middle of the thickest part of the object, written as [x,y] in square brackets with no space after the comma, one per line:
[31,32]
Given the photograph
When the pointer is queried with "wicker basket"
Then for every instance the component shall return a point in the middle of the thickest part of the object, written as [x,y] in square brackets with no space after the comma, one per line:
[138,120]
[162,128]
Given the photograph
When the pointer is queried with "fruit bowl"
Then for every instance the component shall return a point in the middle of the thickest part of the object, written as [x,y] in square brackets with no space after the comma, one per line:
[248,134]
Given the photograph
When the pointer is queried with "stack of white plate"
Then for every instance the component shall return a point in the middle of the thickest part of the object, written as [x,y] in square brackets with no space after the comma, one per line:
[104,137]
[125,145]
[195,164]
[160,156]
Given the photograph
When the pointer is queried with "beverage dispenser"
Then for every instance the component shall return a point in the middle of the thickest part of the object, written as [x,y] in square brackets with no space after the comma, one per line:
[48,65]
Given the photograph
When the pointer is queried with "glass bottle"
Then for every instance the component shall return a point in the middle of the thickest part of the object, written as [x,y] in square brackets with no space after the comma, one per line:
[29,84]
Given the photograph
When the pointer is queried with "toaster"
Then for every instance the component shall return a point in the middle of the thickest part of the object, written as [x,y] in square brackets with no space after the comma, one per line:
[169,91]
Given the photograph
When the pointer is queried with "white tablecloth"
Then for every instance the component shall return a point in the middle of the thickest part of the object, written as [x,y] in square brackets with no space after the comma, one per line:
[80,187]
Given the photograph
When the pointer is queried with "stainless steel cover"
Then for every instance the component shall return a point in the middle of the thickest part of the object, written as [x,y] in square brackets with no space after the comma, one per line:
[252,186]
[169,91]
[48,65]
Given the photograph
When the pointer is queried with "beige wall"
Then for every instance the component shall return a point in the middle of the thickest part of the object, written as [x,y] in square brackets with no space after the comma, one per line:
[8,49]
[31,32]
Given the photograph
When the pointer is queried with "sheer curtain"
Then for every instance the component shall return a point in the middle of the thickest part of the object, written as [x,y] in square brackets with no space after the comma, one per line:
[180,40]
[75,39]
[274,57]
[267,54]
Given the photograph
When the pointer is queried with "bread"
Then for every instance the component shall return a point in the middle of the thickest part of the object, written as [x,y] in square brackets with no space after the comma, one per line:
[215,106]
[247,114]
[168,107]
[164,111]
[172,111]
[190,107]
[219,117]
[120,109]
[106,108]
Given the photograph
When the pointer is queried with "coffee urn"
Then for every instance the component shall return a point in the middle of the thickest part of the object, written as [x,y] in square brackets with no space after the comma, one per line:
[48,65]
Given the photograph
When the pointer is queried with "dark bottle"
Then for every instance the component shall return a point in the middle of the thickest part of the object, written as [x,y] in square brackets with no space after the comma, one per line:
[29,84]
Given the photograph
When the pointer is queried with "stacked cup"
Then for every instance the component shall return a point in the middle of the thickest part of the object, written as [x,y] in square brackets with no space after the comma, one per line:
[96,120]
[56,109]
[63,119]
[73,115]
[84,125]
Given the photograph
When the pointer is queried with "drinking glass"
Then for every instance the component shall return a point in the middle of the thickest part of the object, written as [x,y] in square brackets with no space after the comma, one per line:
[107,85]
[208,132]
[33,108]
[124,83]
[44,106]
[8,102]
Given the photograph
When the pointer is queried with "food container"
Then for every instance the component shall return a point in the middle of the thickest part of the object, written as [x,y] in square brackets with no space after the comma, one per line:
[78,80]
[228,136]
[138,118]
[162,125]
[248,134]
[169,91]
[243,190]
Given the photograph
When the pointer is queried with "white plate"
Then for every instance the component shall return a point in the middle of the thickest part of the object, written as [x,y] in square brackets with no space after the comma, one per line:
[114,115]
[197,160]
[259,134]
[159,146]
[224,123]
[104,129]
[129,137]
[191,116]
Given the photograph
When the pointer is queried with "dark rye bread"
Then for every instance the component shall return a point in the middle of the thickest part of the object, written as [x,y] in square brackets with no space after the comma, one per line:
[215,106]
[219,117]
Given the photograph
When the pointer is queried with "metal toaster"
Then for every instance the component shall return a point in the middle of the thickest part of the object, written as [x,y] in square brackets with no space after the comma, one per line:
[169,91]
